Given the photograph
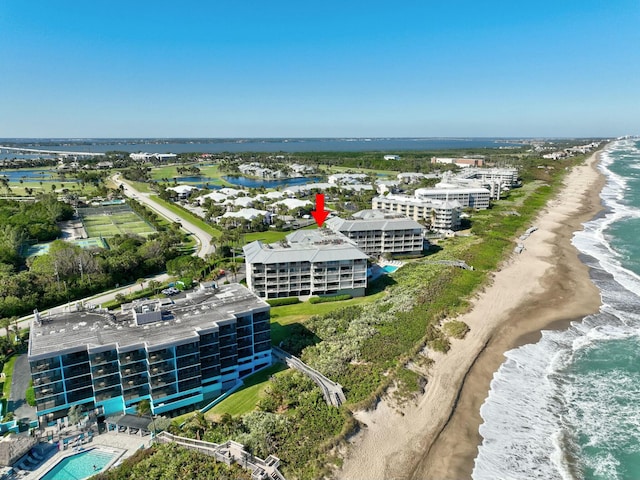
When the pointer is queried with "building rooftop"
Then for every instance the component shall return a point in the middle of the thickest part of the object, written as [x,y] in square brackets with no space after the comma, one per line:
[372,223]
[200,310]
[321,245]
[407,200]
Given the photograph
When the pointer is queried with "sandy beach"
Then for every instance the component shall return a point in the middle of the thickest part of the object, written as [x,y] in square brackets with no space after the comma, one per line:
[544,287]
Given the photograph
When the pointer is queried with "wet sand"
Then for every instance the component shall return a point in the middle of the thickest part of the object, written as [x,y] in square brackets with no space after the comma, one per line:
[544,287]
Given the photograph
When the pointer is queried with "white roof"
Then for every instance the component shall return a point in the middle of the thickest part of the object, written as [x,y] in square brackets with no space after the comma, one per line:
[246,213]
[271,195]
[372,224]
[304,246]
[215,196]
[182,188]
[232,192]
[292,203]
[240,201]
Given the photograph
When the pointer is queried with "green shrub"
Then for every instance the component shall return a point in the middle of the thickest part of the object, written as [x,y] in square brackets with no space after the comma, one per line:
[30,395]
[456,329]
[331,298]
[278,302]
[439,345]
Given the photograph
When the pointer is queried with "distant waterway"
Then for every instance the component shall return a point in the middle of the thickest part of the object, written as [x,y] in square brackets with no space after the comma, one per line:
[257,182]
[33,175]
[273,145]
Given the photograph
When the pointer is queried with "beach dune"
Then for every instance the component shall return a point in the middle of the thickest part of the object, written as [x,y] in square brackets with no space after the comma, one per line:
[544,287]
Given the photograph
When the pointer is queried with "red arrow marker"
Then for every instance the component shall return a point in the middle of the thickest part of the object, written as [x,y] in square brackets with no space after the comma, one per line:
[320,214]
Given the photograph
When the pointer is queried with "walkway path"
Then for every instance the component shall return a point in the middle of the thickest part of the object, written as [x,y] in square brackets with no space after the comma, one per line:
[331,390]
[229,452]
[452,263]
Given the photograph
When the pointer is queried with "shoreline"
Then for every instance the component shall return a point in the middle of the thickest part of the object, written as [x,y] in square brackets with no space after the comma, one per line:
[437,437]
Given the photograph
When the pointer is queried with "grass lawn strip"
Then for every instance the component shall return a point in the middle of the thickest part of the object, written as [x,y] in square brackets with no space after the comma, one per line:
[246,398]
[188,216]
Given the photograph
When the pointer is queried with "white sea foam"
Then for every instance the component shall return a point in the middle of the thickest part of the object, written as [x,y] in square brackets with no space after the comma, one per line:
[533,407]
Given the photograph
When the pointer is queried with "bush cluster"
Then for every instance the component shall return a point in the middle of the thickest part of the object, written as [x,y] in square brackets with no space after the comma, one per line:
[278,302]
[331,298]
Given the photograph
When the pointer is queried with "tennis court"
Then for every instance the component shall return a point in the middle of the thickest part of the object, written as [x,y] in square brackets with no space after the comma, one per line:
[43,248]
[108,221]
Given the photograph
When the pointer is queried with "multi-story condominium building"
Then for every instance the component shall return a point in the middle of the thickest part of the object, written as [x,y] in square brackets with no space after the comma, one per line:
[308,262]
[177,355]
[477,198]
[377,232]
[465,162]
[505,176]
[438,214]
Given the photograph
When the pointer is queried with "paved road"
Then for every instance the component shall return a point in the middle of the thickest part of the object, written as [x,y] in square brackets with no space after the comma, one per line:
[204,238]
[19,384]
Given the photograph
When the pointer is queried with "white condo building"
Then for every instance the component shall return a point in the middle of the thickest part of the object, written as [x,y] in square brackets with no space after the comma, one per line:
[377,232]
[440,214]
[308,262]
[477,198]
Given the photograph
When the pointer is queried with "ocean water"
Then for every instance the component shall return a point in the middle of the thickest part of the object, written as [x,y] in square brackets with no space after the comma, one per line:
[568,407]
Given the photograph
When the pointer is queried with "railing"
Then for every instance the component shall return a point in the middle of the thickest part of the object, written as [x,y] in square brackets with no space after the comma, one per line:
[228,453]
[331,391]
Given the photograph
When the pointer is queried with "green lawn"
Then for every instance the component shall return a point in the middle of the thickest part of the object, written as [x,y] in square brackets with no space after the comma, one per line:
[286,315]
[108,225]
[170,172]
[8,371]
[140,186]
[191,218]
[271,236]
[336,169]
[246,398]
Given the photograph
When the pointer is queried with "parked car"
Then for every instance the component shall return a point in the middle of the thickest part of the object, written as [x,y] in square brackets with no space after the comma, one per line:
[170,291]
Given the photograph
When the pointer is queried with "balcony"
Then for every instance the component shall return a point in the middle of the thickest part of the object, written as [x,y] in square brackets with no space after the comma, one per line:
[163,381]
[189,349]
[48,390]
[104,357]
[132,357]
[44,379]
[159,393]
[161,368]
[136,393]
[133,369]
[134,382]
[190,372]
[75,358]
[44,365]
[78,383]
[160,356]
[77,370]
[191,360]
[108,394]
[104,370]
[106,382]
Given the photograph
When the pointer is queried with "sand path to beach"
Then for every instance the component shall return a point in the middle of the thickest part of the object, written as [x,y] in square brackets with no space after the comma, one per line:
[545,286]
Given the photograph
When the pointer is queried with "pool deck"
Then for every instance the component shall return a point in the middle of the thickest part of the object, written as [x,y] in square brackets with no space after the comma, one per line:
[121,444]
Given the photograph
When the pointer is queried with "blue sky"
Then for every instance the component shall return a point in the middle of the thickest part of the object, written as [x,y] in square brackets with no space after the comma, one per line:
[319,69]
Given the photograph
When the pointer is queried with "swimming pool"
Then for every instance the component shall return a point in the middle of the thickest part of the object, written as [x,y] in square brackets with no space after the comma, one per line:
[389,268]
[81,465]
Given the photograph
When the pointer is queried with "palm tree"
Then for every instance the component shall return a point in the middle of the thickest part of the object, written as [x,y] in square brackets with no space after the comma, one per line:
[5,323]
[144,409]
[154,285]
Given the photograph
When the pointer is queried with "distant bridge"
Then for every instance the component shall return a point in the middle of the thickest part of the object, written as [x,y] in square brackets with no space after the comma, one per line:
[54,152]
